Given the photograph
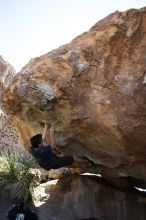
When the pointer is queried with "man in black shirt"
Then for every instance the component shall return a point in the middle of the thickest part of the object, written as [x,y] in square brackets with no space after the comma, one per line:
[45,155]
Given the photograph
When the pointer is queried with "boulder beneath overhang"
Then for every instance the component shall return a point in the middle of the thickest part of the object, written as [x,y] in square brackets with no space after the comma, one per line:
[83,197]
[93,92]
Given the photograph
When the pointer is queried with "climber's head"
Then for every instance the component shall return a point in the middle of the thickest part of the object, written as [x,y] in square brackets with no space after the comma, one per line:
[36,141]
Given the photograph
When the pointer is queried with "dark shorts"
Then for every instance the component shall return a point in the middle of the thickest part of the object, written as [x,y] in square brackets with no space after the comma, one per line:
[63,162]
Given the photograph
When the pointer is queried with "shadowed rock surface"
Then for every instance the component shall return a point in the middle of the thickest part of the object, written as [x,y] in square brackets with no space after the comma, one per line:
[5,203]
[84,198]
[93,92]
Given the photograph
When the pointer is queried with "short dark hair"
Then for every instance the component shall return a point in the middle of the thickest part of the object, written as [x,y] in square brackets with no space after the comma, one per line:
[36,140]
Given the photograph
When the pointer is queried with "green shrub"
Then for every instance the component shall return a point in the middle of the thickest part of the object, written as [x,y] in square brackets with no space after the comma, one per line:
[15,176]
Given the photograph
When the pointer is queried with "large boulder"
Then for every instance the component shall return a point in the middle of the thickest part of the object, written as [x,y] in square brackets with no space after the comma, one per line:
[81,197]
[93,92]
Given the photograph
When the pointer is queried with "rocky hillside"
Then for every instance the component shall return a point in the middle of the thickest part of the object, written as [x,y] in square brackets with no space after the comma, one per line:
[7,72]
[92,91]
[9,136]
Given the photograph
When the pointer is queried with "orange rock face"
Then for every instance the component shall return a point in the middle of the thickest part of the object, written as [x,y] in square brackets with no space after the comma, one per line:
[93,91]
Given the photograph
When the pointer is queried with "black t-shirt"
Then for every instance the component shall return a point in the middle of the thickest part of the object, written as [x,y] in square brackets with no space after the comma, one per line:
[44,156]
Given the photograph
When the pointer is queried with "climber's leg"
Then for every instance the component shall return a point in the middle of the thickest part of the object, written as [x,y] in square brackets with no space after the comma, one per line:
[63,162]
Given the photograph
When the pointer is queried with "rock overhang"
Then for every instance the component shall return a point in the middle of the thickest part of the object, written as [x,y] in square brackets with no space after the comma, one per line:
[93,92]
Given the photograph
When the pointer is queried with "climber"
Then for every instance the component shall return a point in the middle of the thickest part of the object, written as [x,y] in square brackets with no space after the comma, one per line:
[47,156]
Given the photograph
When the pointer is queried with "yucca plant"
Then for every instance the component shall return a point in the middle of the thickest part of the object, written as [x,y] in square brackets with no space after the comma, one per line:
[15,176]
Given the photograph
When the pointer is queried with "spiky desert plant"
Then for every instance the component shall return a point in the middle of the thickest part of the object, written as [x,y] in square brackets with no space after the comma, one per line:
[15,176]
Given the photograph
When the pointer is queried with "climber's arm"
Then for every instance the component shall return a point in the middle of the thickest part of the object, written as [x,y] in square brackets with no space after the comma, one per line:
[53,143]
[52,138]
[57,152]
[44,132]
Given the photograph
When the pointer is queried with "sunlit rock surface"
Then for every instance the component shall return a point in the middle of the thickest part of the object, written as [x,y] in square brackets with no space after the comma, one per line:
[93,92]
[7,72]
[10,139]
